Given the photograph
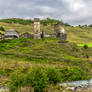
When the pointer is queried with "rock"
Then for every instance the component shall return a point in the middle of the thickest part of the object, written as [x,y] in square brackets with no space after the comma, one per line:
[4,89]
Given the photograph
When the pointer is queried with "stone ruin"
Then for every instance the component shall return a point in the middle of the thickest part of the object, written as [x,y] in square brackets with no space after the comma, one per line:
[42,34]
[37,28]
[59,28]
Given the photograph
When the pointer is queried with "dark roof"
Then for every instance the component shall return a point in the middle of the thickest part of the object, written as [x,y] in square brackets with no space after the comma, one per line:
[11,32]
[27,35]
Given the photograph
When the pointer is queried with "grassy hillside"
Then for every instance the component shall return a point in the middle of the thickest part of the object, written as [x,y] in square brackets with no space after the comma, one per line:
[22,54]
[46,50]
[22,57]
[80,35]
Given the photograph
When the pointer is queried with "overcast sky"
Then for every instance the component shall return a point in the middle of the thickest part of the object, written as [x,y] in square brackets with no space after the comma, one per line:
[74,12]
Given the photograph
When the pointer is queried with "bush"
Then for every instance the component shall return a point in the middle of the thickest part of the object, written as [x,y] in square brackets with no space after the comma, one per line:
[85,46]
[73,74]
[5,71]
[53,75]
[2,28]
[66,24]
[37,77]
[17,80]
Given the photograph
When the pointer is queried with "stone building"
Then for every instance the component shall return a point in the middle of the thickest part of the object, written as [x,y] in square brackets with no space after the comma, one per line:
[26,35]
[59,28]
[11,34]
[42,34]
[37,28]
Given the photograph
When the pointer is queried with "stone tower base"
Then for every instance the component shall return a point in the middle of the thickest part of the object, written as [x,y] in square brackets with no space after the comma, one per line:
[37,36]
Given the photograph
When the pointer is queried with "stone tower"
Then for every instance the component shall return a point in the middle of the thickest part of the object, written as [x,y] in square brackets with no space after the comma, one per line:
[37,28]
[60,31]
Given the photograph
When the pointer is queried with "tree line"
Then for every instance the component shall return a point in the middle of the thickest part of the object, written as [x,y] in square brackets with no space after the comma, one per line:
[45,22]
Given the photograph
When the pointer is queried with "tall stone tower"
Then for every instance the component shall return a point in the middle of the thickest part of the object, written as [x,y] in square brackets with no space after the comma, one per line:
[60,31]
[37,28]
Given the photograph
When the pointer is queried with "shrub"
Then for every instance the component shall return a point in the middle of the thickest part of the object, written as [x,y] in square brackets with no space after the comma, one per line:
[37,77]
[85,46]
[2,28]
[5,71]
[73,74]
[17,80]
[53,74]
[66,24]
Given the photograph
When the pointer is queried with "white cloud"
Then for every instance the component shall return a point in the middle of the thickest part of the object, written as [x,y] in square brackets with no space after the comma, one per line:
[72,11]
[75,5]
[47,9]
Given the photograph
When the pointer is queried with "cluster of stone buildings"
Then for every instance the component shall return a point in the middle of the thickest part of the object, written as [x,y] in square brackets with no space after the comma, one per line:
[59,29]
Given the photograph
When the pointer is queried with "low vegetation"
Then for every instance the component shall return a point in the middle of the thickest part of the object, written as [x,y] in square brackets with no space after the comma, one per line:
[39,77]
[2,28]
[17,20]
[40,63]
[43,50]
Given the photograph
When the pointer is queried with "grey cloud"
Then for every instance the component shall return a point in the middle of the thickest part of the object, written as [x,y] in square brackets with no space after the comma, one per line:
[72,11]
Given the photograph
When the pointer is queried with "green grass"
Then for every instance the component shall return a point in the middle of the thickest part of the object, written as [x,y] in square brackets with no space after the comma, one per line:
[79,35]
[40,77]
[89,45]
[47,50]
[24,53]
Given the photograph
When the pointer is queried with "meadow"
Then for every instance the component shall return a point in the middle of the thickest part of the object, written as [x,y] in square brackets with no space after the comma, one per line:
[46,60]
[89,45]
[18,56]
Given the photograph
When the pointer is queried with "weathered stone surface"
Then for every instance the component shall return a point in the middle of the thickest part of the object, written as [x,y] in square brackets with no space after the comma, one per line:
[37,29]
[78,89]
[42,34]
[60,31]
[37,36]
[4,89]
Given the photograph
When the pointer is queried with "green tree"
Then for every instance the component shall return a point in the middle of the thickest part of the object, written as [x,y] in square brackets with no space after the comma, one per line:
[34,77]
[53,74]
[37,77]
[85,46]
[2,28]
